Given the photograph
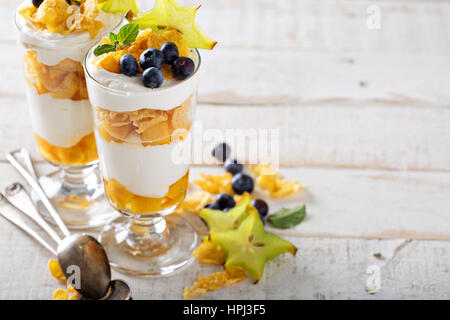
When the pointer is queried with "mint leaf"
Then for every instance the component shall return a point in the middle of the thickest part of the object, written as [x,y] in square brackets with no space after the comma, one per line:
[104,48]
[128,34]
[287,218]
[113,37]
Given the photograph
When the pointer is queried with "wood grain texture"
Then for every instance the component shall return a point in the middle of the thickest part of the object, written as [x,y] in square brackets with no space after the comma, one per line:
[344,98]
[322,269]
[351,203]
[290,52]
[326,135]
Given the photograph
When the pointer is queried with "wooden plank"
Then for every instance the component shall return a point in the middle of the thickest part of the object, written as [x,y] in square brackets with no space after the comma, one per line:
[327,25]
[344,203]
[322,269]
[236,77]
[325,54]
[327,135]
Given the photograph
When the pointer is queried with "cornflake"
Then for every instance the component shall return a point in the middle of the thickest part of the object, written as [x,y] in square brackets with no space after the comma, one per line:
[214,282]
[194,202]
[62,294]
[209,253]
[55,270]
[57,16]
[215,183]
[269,179]
[146,39]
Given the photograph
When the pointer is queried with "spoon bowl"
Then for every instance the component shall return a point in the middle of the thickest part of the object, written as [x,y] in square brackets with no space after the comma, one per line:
[85,264]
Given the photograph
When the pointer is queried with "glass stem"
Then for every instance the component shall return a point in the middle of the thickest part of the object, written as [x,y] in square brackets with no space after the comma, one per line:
[148,235]
[80,185]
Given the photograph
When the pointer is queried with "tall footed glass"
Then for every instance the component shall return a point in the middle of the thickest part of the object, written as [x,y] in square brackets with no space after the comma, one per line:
[144,144]
[62,121]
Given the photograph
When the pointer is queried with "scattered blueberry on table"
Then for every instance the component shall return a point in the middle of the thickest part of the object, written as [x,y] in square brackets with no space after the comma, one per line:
[233,167]
[261,206]
[225,201]
[242,183]
[221,151]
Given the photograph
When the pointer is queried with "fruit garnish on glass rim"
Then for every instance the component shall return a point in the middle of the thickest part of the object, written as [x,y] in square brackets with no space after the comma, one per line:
[169,14]
[119,6]
[250,246]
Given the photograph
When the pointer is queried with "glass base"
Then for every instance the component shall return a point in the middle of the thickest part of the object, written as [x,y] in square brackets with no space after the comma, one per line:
[78,196]
[149,249]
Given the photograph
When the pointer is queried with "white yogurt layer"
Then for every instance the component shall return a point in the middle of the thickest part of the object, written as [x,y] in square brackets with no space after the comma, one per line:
[52,48]
[120,93]
[61,122]
[145,171]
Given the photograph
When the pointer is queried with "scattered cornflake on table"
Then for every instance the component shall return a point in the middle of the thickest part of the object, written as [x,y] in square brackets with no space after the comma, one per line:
[194,202]
[234,274]
[209,253]
[215,183]
[55,270]
[214,282]
[269,179]
[62,294]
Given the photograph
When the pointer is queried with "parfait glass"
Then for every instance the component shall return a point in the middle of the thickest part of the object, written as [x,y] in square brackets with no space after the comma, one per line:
[144,144]
[62,122]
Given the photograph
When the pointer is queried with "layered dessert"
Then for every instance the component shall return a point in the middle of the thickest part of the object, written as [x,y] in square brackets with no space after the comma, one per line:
[143,114]
[54,36]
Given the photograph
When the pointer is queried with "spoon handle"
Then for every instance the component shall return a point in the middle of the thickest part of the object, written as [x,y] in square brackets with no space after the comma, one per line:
[35,185]
[9,212]
[18,197]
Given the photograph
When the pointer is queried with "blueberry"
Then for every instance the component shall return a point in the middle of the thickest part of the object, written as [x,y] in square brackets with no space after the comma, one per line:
[214,206]
[233,167]
[263,219]
[221,151]
[261,206]
[37,3]
[225,201]
[242,183]
[151,58]
[170,51]
[152,77]
[128,65]
[183,67]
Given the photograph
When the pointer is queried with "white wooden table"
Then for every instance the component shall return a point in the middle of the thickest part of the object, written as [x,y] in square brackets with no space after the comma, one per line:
[364,120]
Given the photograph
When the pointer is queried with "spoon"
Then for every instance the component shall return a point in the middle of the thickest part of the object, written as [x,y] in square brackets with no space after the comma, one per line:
[79,253]
[30,176]
[18,197]
[118,290]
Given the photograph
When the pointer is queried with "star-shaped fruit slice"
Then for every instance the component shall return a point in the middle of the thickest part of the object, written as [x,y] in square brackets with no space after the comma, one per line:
[250,246]
[119,6]
[170,14]
[219,221]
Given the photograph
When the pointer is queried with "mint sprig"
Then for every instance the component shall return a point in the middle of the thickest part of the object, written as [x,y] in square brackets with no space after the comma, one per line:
[287,218]
[126,36]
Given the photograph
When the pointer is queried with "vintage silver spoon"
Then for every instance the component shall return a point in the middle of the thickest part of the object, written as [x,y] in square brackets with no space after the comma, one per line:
[77,253]
[30,176]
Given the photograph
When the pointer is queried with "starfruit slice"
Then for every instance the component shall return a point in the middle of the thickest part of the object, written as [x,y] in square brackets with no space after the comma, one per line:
[218,220]
[169,14]
[250,246]
[119,6]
